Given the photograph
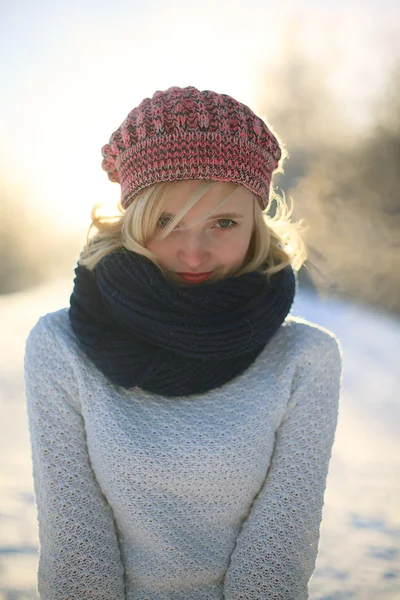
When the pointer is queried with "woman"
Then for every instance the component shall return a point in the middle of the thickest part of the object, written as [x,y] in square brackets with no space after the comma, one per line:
[181,421]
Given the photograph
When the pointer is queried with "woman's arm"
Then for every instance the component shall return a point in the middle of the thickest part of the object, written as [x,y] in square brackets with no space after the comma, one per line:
[79,553]
[276,550]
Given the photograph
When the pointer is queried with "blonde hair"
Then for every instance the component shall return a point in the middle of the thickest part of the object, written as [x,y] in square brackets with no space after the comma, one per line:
[275,243]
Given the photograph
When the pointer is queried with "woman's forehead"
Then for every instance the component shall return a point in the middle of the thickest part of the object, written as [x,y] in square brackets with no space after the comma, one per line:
[233,196]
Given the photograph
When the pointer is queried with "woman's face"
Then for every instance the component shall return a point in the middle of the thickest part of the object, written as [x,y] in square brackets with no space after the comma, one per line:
[211,247]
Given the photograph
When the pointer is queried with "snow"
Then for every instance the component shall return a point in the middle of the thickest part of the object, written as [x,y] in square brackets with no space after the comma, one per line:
[359,551]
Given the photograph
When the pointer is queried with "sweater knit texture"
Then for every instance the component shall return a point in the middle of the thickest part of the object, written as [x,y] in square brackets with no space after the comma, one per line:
[214,496]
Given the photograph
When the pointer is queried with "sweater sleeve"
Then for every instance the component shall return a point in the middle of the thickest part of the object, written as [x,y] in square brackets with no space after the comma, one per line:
[79,555]
[276,549]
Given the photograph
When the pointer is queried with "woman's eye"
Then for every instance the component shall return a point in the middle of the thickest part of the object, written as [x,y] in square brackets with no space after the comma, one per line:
[164,222]
[226,224]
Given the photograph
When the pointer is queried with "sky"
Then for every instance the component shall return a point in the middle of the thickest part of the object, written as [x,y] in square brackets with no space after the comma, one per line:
[71,72]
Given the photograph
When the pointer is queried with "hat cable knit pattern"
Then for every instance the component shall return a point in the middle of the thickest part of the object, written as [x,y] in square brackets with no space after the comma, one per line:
[181,134]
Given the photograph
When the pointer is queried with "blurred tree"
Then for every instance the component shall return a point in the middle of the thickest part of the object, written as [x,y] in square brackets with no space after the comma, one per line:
[19,263]
[31,250]
[345,184]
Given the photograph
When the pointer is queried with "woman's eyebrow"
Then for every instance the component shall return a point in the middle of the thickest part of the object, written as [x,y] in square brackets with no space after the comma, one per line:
[229,215]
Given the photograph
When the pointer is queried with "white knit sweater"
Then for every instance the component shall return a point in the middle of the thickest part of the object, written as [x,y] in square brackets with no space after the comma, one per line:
[209,497]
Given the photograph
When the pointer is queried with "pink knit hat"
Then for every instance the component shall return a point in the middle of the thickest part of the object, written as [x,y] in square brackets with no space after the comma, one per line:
[182,133]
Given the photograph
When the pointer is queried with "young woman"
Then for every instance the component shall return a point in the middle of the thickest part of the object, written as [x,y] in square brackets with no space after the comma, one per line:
[181,420]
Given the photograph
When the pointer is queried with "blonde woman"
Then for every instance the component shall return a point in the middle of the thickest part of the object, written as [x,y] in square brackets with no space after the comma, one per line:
[181,420]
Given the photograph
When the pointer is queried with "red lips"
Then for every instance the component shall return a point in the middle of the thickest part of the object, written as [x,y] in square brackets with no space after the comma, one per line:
[194,277]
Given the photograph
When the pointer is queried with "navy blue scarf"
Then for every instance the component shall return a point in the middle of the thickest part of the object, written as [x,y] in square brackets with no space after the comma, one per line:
[141,330]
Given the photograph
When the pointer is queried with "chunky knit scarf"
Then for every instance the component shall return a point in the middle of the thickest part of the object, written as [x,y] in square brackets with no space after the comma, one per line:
[141,330]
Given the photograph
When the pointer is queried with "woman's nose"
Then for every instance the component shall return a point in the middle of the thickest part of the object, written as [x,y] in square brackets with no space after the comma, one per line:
[194,250]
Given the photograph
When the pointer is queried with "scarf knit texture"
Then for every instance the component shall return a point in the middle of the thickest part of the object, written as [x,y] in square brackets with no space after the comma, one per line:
[141,330]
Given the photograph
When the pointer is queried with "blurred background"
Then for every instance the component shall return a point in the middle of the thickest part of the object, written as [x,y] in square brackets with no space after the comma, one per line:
[326,76]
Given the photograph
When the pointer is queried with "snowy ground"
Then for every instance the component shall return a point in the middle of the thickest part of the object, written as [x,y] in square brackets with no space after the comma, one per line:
[359,552]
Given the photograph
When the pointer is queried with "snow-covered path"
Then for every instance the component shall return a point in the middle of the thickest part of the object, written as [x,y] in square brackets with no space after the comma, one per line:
[359,556]
[359,552]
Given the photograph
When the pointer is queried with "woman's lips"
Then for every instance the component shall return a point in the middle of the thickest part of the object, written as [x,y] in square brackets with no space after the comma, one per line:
[195,277]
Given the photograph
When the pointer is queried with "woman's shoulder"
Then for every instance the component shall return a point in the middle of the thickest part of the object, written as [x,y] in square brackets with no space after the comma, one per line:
[309,337]
[52,332]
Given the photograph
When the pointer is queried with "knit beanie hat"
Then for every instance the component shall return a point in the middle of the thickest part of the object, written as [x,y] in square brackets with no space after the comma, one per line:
[182,133]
